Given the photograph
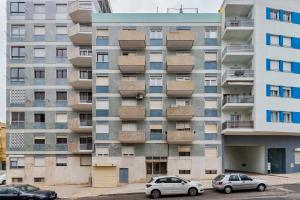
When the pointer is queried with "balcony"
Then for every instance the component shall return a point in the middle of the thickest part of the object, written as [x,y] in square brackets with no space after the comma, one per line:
[234,8]
[180,113]
[78,148]
[80,34]
[183,39]
[237,53]
[180,63]
[237,127]
[80,126]
[235,102]
[132,88]
[132,64]
[80,104]
[238,77]
[238,28]
[103,161]
[80,11]
[132,113]
[80,56]
[180,88]
[131,137]
[78,82]
[180,137]
[132,39]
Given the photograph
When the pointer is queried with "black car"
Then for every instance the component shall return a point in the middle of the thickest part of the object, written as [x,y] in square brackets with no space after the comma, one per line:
[11,193]
[35,192]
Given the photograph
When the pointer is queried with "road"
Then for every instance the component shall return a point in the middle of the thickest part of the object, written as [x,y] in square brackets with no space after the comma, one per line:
[284,192]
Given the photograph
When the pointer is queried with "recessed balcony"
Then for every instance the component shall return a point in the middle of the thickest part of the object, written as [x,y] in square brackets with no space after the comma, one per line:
[132,39]
[237,28]
[80,34]
[132,64]
[180,113]
[81,11]
[182,39]
[180,137]
[134,88]
[79,56]
[237,102]
[80,126]
[77,148]
[79,81]
[237,127]
[132,137]
[237,53]
[238,77]
[81,103]
[132,113]
[180,88]
[180,63]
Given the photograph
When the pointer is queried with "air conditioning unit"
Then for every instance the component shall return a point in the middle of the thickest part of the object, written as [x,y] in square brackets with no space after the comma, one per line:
[139,96]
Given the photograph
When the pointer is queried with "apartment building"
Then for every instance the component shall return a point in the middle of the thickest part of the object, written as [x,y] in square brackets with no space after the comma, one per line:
[49,88]
[260,85]
[2,146]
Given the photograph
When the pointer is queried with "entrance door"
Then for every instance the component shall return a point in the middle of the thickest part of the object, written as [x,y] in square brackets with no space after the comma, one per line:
[276,157]
[123,175]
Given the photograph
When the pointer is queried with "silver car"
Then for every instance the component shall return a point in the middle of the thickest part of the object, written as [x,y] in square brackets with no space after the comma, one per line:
[230,182]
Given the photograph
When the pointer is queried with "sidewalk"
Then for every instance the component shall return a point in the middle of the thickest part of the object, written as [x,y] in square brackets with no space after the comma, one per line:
[77,191]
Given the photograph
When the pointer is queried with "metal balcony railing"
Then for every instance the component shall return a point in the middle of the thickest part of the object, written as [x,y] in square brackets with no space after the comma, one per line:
[239,22]
[237,124]
[85,52]
[86,123]
[237,48]
[237,99]
[238,73]
[85,147]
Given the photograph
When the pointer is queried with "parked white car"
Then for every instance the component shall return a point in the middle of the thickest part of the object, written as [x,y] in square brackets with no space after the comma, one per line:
[171,185]
[3,179]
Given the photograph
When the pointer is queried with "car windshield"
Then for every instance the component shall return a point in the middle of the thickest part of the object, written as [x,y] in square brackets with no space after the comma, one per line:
[186,180]
[220,177]
[27,188]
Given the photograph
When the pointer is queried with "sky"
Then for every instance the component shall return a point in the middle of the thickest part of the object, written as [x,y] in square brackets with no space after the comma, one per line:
[118,6]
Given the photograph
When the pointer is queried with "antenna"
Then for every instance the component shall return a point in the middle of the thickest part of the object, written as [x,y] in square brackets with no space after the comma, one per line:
[181,10]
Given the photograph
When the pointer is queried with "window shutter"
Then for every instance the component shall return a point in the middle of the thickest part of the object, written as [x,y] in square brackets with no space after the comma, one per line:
[281,116]
[268,39]
[280,40]
[210,56]
[281,12]
[61,117]
[268,90]
[86,160]
[296,92]
[268,13]
[211,152]
[102,80]
[102,151]
[128,150]
[210,128]
[102,33]
[155,104]
[211,104]
[268,113]
[184,149]
[297,156]
[280,65]
[295,43]
[281,92]
[155,127]
[295,18]
[102,104]
[156,57]
[102,128]
[268,64]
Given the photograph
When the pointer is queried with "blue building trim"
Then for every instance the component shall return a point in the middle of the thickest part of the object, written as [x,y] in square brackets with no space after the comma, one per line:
[210,65]
[295,18]
[268,115]
[156,89]
[156,65]
[268,13]
[156,113]
[102,41]
[102,65]
[102,113]
[210,89]
[102,136]
[156,42]
[102,89]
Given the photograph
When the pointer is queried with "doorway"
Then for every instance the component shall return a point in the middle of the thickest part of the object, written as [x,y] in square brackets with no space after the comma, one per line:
[276,160]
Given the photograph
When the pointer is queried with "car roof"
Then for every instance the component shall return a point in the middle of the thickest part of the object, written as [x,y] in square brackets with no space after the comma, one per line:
[158,177]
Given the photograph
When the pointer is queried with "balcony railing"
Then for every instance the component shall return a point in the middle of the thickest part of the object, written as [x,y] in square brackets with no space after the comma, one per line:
[237,73]
[239,22]
[237,124]
[237,48]
[237,99]
[85,147]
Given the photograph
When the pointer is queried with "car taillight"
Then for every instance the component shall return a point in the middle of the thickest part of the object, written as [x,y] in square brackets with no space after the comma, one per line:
[148,185]
[220,182]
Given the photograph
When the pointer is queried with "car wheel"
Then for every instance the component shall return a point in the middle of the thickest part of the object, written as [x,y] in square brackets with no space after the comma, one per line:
[193,192]
[3,182]
[155,194]
[227,189]
[261,187]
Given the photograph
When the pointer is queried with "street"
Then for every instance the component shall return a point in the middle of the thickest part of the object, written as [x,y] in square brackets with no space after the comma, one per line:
[290,192]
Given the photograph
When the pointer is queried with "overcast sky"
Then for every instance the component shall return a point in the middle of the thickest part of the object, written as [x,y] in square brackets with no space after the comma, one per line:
[118,6]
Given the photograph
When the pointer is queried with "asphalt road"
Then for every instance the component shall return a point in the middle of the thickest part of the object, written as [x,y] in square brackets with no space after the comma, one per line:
[285,192]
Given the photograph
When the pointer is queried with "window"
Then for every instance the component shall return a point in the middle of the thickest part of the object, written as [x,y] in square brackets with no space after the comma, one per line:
[18,52]
[102,151]
[275,116]
[85,143]
[156,34]
[85,119]
[157,168]
[39,30]
[39,179]
[274,91]
[39,95]
[39,117]
[210,171]
[61,96]
[102,80]
[274,40]
[156,57]
[184,151]
[287,66]
[155,104]
[127,150]
[39,52]
[211,104]
[183,77]
[61,73]
[17,31]
[183,126]
[61,30]
[102,57]
[61,117]
[85,74]
[61,52]
[102,37]
[103,127]
[61,8]
[287,41]
[61,140]
[211,33]
[16,180]
[17,74]
[61,161]
[287,117]
[39,8]
[245,178]
[39,161]
[156,80]
[39,140]
[85,160]
[234,178]
[210,56]
[211,128]
[211,152]
[17,117]
[17,8]
[102,104]
[274,65]
[184,171]
[287,92]
[16,162]
[183,102]
[210,80]
[39,73]
[297,156]
[129,126]
[287,16]
[274,14]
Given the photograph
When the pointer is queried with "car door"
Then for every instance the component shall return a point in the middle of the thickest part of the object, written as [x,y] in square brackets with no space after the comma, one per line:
[3,193]
[247,182]
[235,182]
[162,185]
[13,194]
[177,186]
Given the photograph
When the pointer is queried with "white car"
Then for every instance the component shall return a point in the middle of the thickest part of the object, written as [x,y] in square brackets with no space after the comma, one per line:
[3,179]
[170,185]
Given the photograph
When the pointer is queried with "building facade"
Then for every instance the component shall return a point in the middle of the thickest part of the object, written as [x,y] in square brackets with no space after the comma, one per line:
[2,146]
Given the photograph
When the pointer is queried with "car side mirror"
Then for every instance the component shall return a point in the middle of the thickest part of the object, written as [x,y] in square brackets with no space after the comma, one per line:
[182,182]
